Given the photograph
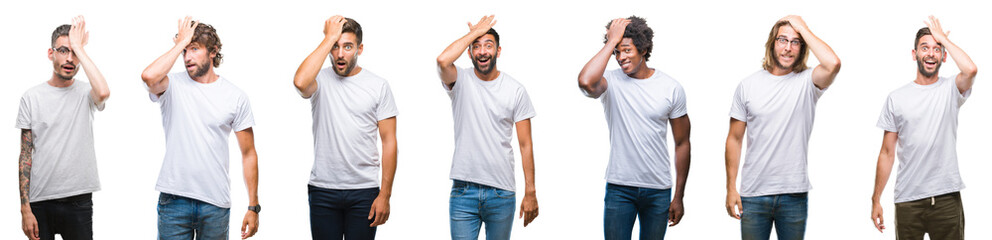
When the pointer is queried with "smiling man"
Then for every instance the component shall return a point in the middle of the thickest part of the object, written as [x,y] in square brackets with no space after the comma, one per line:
[349,104]
[57,165]
[199,111]
[639,103]
[776,106]
[487,105]
[921,118]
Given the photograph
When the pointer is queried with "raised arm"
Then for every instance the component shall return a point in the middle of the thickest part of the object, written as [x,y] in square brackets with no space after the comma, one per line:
[155,75]
[886,157]
[249,163]
[78,37]
[306,75]
[823,74]
[528,207]
[446,61]
[380,206]
[29,225]
[968,69]
[591,79]
[680,133]
[735,140]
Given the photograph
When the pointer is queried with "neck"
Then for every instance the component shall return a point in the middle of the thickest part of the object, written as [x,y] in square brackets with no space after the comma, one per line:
[57,81]
[353,72]
[779,71]
[924,80]
[488,77]
[643,72]
[209,77]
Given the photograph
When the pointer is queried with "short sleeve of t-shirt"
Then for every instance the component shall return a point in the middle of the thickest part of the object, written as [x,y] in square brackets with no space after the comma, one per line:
[524,109]
[678,102]
[387,106]
[244,118]
[962,97]
[172,78]
[737,109]
[24,114]
[886,119]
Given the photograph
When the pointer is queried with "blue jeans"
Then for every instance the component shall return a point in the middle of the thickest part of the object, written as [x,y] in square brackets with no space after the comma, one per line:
[624,204]
[72,217]
[786,211]
[183,218]
[341,213]
[472,204]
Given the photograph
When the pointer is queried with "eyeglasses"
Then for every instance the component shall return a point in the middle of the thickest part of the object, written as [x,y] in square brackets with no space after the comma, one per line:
[64,51]
[782,41]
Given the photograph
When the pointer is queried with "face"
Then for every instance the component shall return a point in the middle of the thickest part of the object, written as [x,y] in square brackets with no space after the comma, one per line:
[628,57]
[787,46]
[484,53]
[63,59]
[198,59]
[928,55]
[344,54]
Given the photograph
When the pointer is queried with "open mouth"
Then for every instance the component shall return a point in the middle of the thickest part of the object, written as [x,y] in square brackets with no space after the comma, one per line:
[624,64]
[68,67]
[190,65]
[483,60]
[341,64]
[930,62]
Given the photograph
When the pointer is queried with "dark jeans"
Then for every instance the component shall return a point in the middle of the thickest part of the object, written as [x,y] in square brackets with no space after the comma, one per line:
[942,217]
[72,217]
[624,204]
[336,213]
[787,212]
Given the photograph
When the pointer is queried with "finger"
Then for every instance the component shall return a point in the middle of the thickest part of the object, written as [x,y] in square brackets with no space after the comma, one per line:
[34,227]
[253,229]
[379,219]
[371,212]
[740,210]
[469,25]
[492,24]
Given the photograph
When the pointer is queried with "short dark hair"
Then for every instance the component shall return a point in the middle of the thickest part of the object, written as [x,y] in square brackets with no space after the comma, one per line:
[919,34]
[495,35]
[638,31]
[352,26]
[60,31]
[207,36]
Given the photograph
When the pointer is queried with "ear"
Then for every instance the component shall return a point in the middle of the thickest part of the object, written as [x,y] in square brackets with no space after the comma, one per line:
[914,55]
[498,50]
[943,57]
[360,48]
[51,54]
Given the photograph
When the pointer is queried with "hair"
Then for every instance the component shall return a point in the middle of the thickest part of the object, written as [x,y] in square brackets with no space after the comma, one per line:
[770,61]
[919,34]
[60,31]
[639,32]
[207,36]
[352,26]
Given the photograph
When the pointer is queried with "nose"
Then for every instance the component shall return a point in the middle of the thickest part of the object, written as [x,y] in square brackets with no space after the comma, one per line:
[187,57]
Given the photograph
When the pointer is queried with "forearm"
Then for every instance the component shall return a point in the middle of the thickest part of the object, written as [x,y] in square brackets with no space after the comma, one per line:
[527,160]
[306,74]
[882,172]
[455,50]
[157,71]
[389,153]
[682,160]
[964,63]
[24,169]
[592,73]
[732,156]
[823,52]
[250,165]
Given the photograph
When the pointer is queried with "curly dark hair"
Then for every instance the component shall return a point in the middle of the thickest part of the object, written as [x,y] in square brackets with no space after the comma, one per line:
[638,31]
[207,36]
[60,31]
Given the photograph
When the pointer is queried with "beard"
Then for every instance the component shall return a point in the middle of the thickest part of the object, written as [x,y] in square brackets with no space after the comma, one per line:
[489,67]
[349,66]
[201,69]
[65,76]
[923,71]
[783,66]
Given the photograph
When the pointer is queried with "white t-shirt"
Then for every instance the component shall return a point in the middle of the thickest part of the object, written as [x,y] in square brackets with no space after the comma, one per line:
[63,163]
[637,113]
[484,115]
[926,120]
[779,113]
[346,113]
[198,118]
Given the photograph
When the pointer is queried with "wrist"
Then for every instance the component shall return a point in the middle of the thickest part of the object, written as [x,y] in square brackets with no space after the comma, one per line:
[26,209]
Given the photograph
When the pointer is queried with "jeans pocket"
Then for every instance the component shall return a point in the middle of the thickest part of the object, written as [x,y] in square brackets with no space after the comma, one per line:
[165,199]
[500,193]
[88,203]
[458,191]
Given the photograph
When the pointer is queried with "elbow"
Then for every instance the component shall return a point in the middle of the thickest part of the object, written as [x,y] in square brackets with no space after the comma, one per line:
[970,72]
[148,78]
[103,95]
[835,66]
[443,62]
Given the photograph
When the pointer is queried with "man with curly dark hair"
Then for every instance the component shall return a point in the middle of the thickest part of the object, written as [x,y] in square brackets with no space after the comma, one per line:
[199,111]
[776,106]
[639,104]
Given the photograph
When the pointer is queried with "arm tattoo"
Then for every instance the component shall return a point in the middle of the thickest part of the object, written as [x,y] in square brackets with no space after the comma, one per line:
[24,164]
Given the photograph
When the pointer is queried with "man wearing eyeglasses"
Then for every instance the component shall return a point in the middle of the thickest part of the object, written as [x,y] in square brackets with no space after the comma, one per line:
[776,107]
[57,166]
[921,118]
[199,110]
[349,105]
[487,104]
[639,103]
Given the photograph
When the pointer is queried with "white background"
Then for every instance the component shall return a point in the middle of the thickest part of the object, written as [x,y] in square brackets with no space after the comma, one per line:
[707,46]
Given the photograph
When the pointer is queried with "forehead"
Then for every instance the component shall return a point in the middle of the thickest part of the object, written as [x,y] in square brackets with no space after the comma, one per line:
[626,42]
[927,40]
[488,38]
[348,37]
[195,44]
[62,41]
[787,31]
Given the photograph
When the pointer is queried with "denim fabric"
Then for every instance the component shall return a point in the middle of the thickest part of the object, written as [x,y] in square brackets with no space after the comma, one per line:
[182,218]
[624,204]
[71,217]
[786,211]
[473,204]
[341,213]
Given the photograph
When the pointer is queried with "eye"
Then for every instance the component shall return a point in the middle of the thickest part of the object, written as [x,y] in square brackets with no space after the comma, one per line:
[335,47]
[925,49]
[347,47]
[796,42]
